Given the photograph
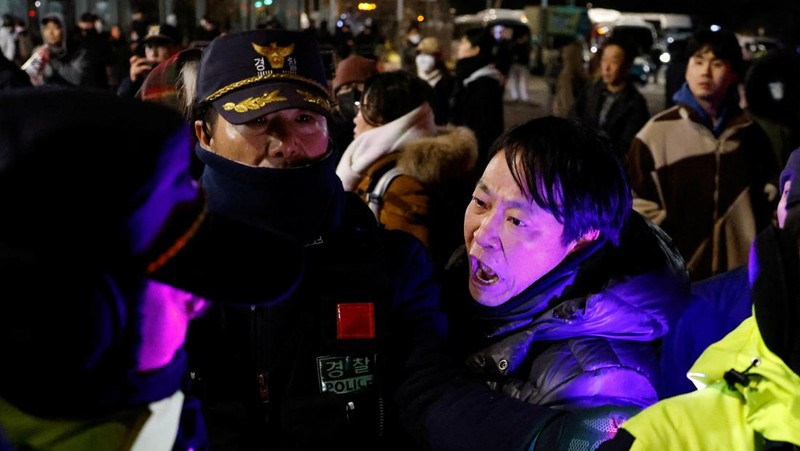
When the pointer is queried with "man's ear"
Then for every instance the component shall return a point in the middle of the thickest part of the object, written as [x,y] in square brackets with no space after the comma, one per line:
[203,138]
[587,238]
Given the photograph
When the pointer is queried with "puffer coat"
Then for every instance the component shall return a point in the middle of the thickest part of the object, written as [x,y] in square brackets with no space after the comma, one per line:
[586,333]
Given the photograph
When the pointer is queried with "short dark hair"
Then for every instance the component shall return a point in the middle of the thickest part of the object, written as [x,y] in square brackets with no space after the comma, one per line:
[88,17]
[630,48]
[722,43]
[570,171]
[481,38]
[390,95]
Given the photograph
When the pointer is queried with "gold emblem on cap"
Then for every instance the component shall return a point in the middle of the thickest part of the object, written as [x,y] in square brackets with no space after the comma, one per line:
[311,98]
[254,103]
[261,78]
[275,55]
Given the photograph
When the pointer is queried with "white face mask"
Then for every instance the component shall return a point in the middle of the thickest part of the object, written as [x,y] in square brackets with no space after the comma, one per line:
[414,38]
[424,63]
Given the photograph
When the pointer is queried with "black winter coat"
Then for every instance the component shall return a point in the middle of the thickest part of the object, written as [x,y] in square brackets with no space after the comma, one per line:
[627,115]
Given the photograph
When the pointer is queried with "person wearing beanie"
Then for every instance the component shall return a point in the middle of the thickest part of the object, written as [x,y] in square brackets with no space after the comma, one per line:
[432,68]
[749,381]
[348,86]
[353,70]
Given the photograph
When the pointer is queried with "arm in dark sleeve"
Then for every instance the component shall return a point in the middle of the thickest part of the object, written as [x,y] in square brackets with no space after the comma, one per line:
[441,404]
[637,119]
[644,183]
[128,87]
[447,408]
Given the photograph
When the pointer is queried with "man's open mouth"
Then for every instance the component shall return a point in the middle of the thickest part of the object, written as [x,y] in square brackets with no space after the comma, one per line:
[483,274]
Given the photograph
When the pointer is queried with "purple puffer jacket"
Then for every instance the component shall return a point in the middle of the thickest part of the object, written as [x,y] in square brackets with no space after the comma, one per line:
[585,334]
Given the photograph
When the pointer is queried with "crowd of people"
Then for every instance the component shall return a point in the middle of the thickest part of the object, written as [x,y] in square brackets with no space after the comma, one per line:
[250,251]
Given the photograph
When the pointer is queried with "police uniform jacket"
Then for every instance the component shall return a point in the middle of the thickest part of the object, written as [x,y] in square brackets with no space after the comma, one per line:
[320,368]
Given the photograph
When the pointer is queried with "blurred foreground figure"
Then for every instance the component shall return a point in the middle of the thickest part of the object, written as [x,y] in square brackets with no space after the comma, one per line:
[107,253]
[749,382]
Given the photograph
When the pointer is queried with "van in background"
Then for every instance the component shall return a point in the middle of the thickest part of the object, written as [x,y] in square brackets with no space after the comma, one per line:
[549,27]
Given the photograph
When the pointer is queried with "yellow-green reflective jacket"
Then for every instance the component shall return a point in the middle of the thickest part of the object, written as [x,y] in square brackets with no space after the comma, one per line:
[718,418]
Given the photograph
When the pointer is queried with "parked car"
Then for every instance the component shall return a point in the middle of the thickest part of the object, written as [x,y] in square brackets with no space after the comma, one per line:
[754,47]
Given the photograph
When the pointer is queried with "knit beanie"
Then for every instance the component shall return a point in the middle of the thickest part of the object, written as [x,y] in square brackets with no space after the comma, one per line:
[354,69]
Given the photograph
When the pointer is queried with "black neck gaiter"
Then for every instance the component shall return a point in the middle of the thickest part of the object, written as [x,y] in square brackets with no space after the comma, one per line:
[305,203]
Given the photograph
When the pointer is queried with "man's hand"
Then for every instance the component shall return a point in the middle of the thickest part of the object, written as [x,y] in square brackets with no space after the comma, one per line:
[140,67]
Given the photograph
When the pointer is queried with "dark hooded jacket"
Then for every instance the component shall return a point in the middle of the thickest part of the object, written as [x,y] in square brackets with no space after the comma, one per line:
[68,64]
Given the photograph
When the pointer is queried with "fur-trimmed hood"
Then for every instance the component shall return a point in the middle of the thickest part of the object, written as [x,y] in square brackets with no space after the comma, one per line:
[451,153]
[428,153]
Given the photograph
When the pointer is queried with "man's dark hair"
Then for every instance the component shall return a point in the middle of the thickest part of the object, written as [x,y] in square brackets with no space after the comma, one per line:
[722,43]
[390,95]
[630,48]
[88,17]
[570,171]
[481,38]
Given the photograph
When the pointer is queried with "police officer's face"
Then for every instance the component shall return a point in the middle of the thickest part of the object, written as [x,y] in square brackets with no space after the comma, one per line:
[283,139]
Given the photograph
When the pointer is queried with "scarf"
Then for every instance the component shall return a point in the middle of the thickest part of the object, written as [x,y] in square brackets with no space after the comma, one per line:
[373,144]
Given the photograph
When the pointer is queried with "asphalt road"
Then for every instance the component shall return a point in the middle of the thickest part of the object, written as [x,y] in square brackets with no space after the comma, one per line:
[518,112]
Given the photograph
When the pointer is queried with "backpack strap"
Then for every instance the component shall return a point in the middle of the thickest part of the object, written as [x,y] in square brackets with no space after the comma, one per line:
[375,196]
[376,181]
